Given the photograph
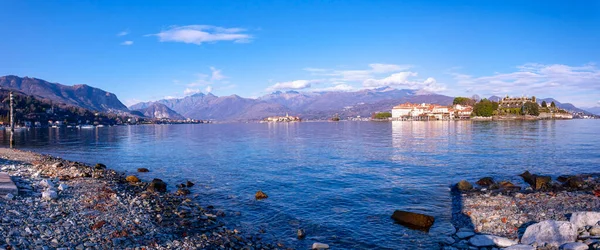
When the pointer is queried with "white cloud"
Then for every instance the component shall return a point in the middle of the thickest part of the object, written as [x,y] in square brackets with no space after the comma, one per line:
[127,43]
[386,68]
[402,80]
[168,97]
[339,87]
[189,91]
[216,74]
[198,34]
[123,33]
[298,84]
[209,89]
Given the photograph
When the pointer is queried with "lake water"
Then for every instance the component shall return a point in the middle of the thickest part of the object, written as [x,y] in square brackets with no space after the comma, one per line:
[340,181]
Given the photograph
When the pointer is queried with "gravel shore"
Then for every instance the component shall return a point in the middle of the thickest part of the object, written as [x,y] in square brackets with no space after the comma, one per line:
[68,205]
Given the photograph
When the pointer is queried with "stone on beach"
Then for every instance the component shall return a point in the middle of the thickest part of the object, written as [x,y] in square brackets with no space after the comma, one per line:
[574,246]
[595,231]
[464,185]
[552,232]
[582,219]
[49,195]
[157,185]
[482,240]
[318,245]
[260,195]
[132,179]
[520,247]
[413,220]
[99,166]
[442,228]
[63,187]
[537,182]
[485,181]
[46,183]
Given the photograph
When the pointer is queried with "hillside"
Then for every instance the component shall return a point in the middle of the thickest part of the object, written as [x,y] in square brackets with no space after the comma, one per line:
[160,111]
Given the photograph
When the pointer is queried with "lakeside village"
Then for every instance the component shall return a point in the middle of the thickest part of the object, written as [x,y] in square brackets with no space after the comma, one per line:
[507,108]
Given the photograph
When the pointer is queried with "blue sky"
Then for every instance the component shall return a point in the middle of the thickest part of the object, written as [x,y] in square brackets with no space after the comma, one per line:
[148,50]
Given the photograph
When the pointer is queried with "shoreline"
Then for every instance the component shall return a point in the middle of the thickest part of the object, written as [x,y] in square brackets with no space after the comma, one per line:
[64,204]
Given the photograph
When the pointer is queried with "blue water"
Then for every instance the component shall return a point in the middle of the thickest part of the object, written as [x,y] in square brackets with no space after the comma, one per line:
[339,181]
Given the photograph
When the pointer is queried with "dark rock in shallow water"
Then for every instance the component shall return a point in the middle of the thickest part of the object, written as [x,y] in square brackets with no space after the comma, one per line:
[564,178]
[100,166]
[157,185]
[143,170]
[464,186]
[413,220]
[189,184]
[301,234]
[183,191]
[260,195]
[537,182]
[132,179]
[574,182]
[485,181]
[528,177]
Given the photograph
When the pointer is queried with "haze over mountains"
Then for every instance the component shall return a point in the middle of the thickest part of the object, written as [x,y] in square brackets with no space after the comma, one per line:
[308,105]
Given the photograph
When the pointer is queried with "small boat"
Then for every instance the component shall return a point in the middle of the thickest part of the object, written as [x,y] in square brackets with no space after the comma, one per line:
[99,126]
[87,126]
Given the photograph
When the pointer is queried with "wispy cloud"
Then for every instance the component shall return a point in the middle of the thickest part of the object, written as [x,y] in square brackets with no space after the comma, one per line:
[215,80]
[295,85]
[123,33]
[189,91]
[536,79]
[339,87]
[127,43]
[198,34]
[208,89]
[216,74]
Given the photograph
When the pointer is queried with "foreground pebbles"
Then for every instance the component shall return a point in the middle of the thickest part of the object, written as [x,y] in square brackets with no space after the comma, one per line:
[68,205]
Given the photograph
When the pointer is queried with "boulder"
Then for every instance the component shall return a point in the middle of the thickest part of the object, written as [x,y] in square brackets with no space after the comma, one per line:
[465,234]
[552,232]
[485,181]
[99,166]
[464,186]
[482,240]
[183,191]
[143,170]
[318,245]
[574,182]
[582,219]
[537,182]
[503,242]
[189,184]
[301,234]
[563,178]
[574,246]
[528,177]
[413,220]
[132,179]
[157,185]
[260,195]
[49,195]
[595,231]
[63,187]
[520,247]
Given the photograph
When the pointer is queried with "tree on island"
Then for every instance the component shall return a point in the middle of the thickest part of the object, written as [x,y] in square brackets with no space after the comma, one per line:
[382,115]
[552,104]
[544,104]
[531,108]
[465,101]
[485,108]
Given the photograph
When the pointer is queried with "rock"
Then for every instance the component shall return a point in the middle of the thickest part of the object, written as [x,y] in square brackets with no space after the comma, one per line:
[537,182]
[183,191]
[528,177]
[317,245]
[46,183]
[143,170]
[581,219]
[260,195]
[464,235]
[157,185]
[448,240]
[57,165]
[189,184]
[485,181]
[520,247]
[9,196]
[574,182]
[413,220]
[482,240]
[63,187]
[98,225]
[503,242]
[132,179]
[301,234]
[100,166]
[464,185]
[49,195]
[443,228]
[574,246]
[595,231]
[552,232]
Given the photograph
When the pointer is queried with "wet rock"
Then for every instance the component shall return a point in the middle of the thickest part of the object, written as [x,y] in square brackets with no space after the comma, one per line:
[301,234]
[99,166]
[443,228]
[9,196]
[182,191]
[520,247]
[582,219]
[574,182]
[413,220]
[157,185]
[143,170]
[503,242]
[318,245]
[465,234]
[260,195]
[464,185]
[57,165]
[49,195]
[574,246]
[554,233]
[482,241]
[132,179]
[485,181]
[189,184]
[537,182]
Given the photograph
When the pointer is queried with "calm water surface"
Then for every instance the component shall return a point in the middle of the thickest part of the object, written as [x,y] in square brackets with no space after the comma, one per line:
[339,181]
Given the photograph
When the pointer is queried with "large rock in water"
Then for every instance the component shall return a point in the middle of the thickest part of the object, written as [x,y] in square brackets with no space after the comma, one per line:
[464,186]
[552,232]
[485,181]
[582,219]
[537,182]
[413,220]
[157,185]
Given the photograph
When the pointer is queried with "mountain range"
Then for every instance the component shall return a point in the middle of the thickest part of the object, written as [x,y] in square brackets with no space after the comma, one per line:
[308,105]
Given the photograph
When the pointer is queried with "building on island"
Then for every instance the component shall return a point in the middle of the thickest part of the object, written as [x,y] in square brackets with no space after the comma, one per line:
[426,111]
[514,102]
[286,118]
